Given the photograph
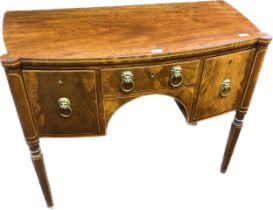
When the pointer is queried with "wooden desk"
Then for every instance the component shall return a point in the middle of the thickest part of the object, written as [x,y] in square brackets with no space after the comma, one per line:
[69,70]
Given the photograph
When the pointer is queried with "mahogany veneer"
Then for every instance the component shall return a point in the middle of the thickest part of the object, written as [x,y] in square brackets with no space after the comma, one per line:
[69,70]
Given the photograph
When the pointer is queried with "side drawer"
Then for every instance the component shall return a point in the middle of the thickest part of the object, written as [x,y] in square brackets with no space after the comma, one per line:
[149,77]
[222,83]
[63,102]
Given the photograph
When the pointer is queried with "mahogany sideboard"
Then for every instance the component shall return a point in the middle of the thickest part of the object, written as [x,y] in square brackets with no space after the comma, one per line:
[69,70]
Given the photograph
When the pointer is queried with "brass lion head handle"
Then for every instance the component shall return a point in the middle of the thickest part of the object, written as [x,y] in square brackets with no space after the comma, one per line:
[176,77]
[225,88]
[127,81]
[65,109]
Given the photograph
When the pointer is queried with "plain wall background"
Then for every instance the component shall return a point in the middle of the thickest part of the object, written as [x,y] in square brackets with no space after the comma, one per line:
[150,158]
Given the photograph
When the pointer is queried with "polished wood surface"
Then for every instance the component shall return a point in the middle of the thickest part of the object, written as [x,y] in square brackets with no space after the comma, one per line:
[183,96]
[148,77]
[79,55]
[39,166]
[23,108]
[236,67]
[234,133]
[128,31]
[46,87]
[243,106]
[19,93]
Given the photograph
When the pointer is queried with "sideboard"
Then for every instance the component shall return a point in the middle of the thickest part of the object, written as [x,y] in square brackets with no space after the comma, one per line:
[69,70]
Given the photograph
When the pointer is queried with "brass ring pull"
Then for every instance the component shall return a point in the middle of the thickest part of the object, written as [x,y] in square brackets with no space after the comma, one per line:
[225,88]
[176,78]
[127,84]
[65,109]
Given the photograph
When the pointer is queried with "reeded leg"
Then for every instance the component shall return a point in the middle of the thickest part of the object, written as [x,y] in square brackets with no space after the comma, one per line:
[38,162]
[232,138]
[18,90]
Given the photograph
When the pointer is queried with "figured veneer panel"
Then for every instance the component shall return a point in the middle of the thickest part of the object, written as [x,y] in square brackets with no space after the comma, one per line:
[236,67]
[46,87]
[183,96]
[125,31]
[148,77]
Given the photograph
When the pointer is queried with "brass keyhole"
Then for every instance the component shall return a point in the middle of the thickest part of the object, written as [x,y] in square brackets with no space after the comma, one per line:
[230,62]
[60,80]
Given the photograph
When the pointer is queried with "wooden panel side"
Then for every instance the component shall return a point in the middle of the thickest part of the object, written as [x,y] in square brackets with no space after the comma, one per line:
[253,77]
[20,98]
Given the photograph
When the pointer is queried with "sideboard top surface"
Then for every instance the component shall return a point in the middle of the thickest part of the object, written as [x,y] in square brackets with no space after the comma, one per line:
[124,31]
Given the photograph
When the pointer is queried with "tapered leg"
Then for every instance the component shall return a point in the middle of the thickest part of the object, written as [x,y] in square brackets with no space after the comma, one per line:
[245,102]
[38,163]
[18,90]
[232,138]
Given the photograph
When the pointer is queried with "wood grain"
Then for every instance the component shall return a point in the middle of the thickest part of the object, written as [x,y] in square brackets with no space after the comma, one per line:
[183,96]
[235,67]
[128,31]
[148,77]
[40,169]
[234,133]
[88,49]
[253,77]
[20,97]
[44,90]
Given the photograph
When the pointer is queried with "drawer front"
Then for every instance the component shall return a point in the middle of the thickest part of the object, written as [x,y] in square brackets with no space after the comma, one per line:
[182,96]
[222,83]
[149,77]
[63,102]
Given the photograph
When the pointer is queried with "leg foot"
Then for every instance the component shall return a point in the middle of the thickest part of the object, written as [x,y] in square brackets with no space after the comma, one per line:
[38,163]
[193,124]
[232,139]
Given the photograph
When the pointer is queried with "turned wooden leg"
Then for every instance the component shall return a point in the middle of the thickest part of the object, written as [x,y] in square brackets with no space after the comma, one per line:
[244,104]
[232,138]
[38,162]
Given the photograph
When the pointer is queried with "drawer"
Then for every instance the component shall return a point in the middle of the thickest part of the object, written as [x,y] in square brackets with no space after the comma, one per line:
[222,84]
[181,96]
[122,81]
[63,102]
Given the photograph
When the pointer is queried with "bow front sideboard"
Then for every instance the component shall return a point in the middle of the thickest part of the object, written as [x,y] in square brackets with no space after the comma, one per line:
[69,70]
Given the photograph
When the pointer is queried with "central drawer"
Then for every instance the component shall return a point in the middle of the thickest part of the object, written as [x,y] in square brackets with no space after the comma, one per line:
[120,81]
